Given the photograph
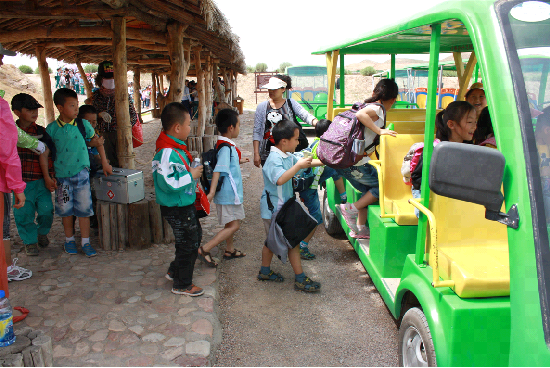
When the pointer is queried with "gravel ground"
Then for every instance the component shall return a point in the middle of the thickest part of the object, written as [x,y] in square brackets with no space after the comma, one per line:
[270,324]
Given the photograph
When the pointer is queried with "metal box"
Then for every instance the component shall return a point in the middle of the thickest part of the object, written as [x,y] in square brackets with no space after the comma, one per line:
[123,186]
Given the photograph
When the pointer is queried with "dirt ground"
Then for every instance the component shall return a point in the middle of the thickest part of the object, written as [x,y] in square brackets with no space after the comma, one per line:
[271,324]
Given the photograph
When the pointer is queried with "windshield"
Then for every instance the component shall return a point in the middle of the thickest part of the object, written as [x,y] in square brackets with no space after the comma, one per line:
[526,26]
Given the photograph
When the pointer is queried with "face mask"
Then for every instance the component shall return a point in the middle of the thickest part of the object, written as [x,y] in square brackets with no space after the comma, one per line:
[109,83]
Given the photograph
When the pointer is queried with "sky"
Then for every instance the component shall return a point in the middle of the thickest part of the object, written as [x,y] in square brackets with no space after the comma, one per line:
[290,30]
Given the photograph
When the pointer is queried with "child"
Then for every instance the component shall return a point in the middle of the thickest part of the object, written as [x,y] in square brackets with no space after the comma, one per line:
[39,199]
[278,170]
[310,196]
[457,123]
[71,164]
[175,184]
[362,175]
[229,200]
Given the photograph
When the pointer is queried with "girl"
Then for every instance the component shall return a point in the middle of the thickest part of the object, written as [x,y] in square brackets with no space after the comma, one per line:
[457,123]
[363,176]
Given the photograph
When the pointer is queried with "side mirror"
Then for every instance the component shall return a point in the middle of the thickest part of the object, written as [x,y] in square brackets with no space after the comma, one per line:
[472,174]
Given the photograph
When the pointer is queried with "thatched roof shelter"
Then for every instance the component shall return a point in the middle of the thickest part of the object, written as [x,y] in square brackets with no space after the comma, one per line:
[165,37]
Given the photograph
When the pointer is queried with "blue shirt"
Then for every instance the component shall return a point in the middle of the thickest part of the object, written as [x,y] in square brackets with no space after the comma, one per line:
[228,166]
[275,166]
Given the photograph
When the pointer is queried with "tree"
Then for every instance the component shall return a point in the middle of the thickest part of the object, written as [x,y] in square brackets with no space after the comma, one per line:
[261,67]
[90,68]
[283,66]
[368,71]
[25,69]
[250,69]
[37,70]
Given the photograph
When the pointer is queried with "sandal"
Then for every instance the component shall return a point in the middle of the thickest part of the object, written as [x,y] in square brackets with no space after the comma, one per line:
[24,311]
[306,254]
[231,255]
[271,276]
[308,285]
[202,256]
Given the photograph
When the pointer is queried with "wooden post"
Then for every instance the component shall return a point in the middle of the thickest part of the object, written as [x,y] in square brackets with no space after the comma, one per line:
[161,84]
[157,231]
[125,148]
[174,41]
[87,84]
[139,229]
[154,96]
[234,86]
[217,84]
[46,83]
[227,82]
[105,226]
[137,87]
[122,225]
[208,88]
[201,91]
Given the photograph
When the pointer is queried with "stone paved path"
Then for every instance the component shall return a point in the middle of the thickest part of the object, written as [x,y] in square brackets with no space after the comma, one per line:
[116,309]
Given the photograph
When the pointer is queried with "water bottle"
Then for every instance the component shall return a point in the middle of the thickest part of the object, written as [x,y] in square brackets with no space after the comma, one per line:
[196,163]
[208,170]
[7,337]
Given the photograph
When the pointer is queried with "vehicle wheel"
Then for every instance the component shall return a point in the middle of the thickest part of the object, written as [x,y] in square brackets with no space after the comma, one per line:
[416,348]
[332,225]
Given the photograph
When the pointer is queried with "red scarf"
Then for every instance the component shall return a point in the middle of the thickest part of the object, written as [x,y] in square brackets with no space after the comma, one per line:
[164,141]
[231,144]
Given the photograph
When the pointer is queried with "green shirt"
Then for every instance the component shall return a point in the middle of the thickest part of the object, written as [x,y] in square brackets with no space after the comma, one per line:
[72,152]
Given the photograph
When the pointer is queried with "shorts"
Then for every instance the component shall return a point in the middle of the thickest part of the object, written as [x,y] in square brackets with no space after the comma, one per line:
[229,212]
[310,197]
[6,219]
[73,196]
[363,178]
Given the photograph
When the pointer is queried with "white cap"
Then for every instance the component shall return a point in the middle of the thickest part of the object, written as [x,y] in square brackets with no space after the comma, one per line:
[275,83]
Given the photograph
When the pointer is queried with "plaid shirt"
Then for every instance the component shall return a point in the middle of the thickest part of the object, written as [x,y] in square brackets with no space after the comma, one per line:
[107,103]
[30,164]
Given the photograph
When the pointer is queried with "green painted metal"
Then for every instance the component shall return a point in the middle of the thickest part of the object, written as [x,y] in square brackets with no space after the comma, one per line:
[392,67]
[342,81]
[431,105]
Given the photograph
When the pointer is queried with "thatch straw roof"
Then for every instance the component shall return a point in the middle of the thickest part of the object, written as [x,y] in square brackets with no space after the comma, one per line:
[80,29]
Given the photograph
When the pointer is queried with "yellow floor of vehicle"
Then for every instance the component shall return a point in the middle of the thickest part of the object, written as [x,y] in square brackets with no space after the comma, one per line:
[473,251]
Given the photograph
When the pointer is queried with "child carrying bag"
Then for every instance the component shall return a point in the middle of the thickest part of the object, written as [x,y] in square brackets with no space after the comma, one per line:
[343,144]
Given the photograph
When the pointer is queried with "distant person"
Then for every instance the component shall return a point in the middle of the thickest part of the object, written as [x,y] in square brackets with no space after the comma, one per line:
[185,100]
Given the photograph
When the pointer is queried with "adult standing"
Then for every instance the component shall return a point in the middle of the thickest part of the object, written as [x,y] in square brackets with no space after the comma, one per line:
[185,100]
[104,101]
[476,96]
[275,109]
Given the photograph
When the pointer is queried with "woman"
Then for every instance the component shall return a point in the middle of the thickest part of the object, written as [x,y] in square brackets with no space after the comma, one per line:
[270,112]
[476,96]
[104,101]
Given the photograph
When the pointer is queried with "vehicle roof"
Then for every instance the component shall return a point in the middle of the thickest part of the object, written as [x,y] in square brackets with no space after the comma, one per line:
[412,35]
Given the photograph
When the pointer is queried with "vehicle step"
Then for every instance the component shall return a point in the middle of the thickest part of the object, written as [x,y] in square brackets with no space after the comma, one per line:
[391,285]
[365,245]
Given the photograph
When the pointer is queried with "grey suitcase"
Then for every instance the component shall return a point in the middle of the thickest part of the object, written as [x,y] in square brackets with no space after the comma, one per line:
[124,186]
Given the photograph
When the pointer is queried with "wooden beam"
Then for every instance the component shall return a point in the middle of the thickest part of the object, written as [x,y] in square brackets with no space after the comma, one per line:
[137,87]
[116,4]
[468,71]
[46,84]
[149,61]
[459,66]
[174,41]
[125,149]
[87,84]
[145,45]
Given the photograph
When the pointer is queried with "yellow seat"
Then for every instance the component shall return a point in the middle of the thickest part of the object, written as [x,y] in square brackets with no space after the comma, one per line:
[421,101]
[472,251]
[308,96]
[296,96]
[393,191]
[445,101]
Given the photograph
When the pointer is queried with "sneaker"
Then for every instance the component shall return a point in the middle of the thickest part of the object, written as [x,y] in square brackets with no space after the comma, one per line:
[361,234]
[70,247]
[169,275]
[88,250]
[272,276]
[192,290]
[350,216]
[43,241]
[31,249]
[306,254]
[16,273]
[308,285]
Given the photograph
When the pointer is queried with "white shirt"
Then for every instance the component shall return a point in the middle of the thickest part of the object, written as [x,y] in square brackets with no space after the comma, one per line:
[369,134]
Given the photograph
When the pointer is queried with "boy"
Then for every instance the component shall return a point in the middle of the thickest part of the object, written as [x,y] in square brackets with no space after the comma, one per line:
[39,199]
[72,164]
[310,197]
[229,200]
[278,170]
[175,183]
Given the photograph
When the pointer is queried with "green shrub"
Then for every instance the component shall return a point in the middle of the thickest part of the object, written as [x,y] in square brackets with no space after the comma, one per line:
[368,71]
[283,66]
[90,68]
[250,69]
[37,70]
[25,69]
[449,73]
[346,72]
[261,67]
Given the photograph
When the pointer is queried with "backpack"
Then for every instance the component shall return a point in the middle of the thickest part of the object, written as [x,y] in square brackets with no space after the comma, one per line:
[343,144]
[302,139]
[209,161]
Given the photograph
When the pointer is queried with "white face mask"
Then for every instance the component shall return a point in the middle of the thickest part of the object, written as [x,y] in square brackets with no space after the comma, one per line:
[108,83]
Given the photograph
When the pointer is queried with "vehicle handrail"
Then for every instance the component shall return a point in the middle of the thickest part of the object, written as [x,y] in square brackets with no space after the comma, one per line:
[378,166]
[433,245]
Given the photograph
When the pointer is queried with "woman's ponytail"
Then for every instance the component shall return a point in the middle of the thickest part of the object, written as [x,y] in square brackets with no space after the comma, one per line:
[442,130]
[386,89]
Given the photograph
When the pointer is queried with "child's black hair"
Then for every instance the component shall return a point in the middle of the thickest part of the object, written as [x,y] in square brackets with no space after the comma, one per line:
[62,94]
[455,111]
[484,126]
[173,113]
[286,79]
[225,119]
[284,129]
[386,89]
[86,109]
[321,127]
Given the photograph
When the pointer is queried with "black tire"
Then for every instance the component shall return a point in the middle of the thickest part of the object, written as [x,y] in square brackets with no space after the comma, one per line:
[332,225]
[415,346]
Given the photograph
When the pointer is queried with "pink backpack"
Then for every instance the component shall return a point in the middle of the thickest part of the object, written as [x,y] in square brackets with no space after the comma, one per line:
[343,145]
